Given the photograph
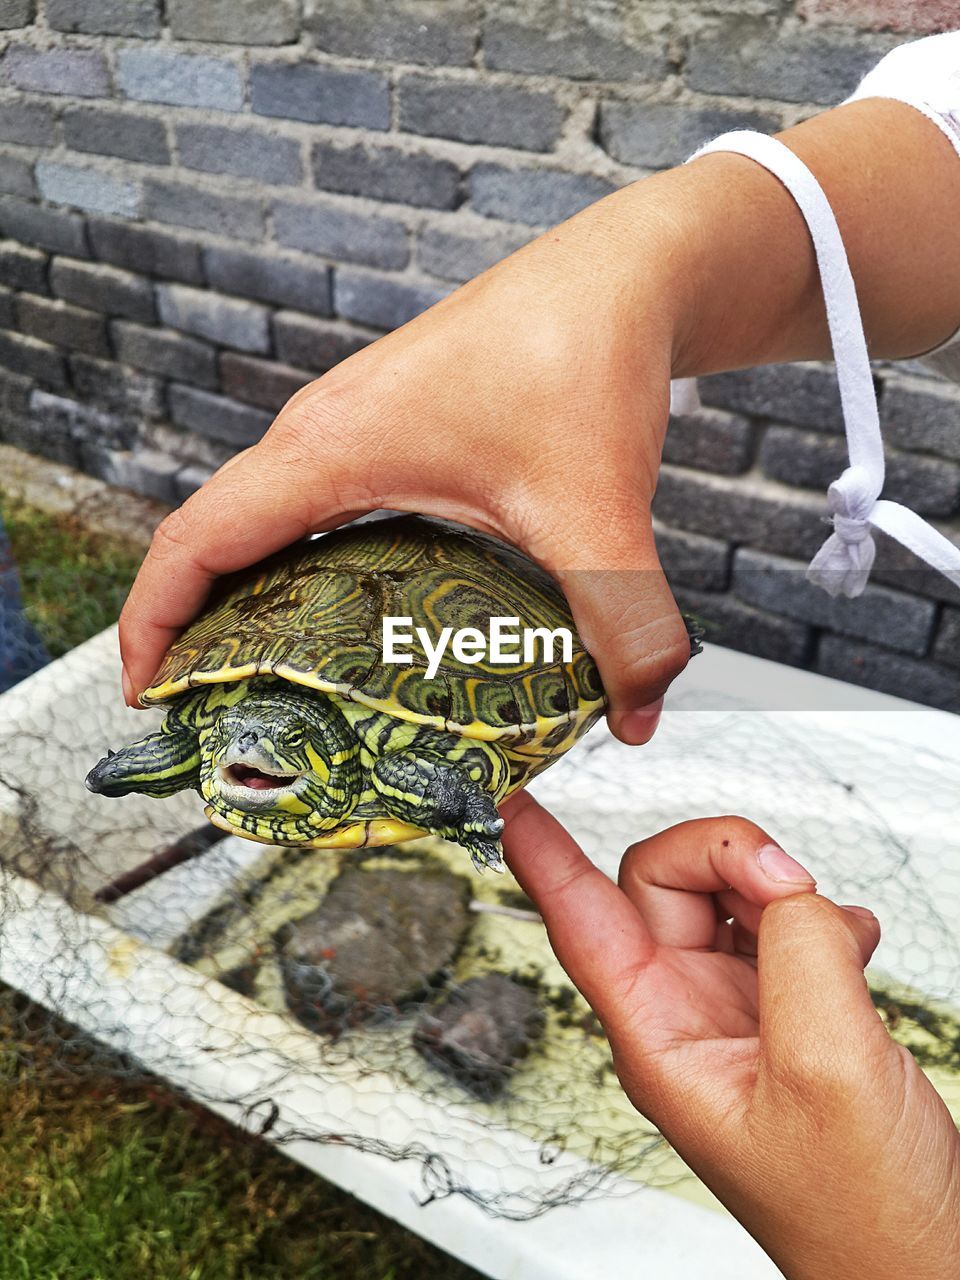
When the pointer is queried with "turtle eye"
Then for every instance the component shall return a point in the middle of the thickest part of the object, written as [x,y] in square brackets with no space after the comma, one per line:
[294,739]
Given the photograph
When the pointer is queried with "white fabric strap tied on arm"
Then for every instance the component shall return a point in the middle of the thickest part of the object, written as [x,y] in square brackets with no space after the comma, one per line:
[842,565]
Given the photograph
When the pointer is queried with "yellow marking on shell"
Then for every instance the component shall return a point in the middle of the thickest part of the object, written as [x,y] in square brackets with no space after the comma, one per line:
[355,835]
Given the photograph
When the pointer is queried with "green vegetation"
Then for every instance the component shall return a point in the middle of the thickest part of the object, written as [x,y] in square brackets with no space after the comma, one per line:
[104,1177]
[74,579]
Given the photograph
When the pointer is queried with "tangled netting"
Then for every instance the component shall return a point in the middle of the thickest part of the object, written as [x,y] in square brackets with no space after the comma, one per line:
[394,1001]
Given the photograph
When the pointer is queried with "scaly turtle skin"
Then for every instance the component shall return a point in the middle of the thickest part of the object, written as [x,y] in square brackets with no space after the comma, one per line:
[284,715]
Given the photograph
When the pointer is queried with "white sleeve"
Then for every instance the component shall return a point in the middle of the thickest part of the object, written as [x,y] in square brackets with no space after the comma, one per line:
[925,74]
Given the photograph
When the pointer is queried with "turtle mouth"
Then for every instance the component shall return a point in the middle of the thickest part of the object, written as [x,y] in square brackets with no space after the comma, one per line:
[245,775]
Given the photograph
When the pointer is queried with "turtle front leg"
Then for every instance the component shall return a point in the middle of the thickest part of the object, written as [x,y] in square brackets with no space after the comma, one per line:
[429,791]
[160,764]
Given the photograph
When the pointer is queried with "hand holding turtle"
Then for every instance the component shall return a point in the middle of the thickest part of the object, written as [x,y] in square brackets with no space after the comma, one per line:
[740,1023]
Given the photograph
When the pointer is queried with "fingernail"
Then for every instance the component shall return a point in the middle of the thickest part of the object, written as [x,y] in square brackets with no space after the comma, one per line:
[639,725]
[781,867]
[129,692]
[864,912]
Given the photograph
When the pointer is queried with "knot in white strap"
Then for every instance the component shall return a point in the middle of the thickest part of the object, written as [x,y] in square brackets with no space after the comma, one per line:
[842,565]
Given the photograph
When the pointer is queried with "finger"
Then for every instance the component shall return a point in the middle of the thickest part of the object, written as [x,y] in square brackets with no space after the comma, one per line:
[734,906]
[243,513]
[594,930]
[628,619]
[671,877]
[815,1009]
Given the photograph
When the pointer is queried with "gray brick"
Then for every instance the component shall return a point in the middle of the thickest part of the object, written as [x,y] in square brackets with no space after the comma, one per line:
[125,393]
[48,228]
[106,17]
[800,66]
[445,36]
[288,281]
[22,268]
[887,617]
[235,21]
[575,52]
[386,173]
[341,233]
[690,560]
[803,393]
[66,416]
[735,625]
[14,395]
[16,175]
[320,94]
[89,189]
[17,13]
[162,351]
[8,315]
[859,663]
[167,200]
[28,123]
[34,434]
[63,325]
[459,255]
[659,135]
[247,153]
[157,253]
[923,416]
[314,344]
[101,288]
[379,302]
[540,197]
[180,79]
[500,115]
[712,441]
[947,646]
[222,419]
[116,133]
[81,73]
[190,479]
[720,507]
[145,471]
[805,458]
[227,321]
[897,567]
[33,359]
[260,382]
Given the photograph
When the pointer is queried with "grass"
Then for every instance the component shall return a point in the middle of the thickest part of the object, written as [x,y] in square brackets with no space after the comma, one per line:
[74,579]
[104,1177]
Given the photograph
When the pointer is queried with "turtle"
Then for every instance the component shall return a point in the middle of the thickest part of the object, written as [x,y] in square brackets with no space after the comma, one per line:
[285,713]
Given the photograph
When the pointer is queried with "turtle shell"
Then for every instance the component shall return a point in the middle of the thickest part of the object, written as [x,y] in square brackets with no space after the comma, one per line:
[313,614]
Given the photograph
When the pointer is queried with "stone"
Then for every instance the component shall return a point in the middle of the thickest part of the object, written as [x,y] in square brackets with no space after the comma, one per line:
[806,394]
[711,441]
[690,560]
[264,383]
[179,79]
[101,288]
[227,321]
[116,133]
[342,233]
[859,663]
[30,124]
[288,281]
[320,94]
[123,392]
[23,268]
[434,35]
[378,301]
[63,325]
[314,344]
[729,622]
[480,1032]
[235,21]
[540,197]
[248,153]
[172,355]
[89,189]
[16,175]
[459,255]
[32,359]
[80,73]
[168,200]
[386,173]
[499,115]
[156,253]
[106,17]
[574,51]
[379,940]
[54,229]
[215,416]
[659,135]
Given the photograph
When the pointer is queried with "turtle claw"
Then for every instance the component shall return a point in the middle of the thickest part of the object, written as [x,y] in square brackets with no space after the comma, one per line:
[486,854]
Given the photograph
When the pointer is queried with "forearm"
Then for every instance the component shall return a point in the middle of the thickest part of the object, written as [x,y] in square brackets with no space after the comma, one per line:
[739,273]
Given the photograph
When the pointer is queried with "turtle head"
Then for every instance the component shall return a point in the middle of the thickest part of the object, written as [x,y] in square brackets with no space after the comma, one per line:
[280,764]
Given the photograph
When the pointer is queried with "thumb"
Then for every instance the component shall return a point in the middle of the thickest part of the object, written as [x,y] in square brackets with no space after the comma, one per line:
[628,619]
[816,1014]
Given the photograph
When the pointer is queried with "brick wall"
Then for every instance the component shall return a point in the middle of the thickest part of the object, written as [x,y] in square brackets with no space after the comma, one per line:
[205,203]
